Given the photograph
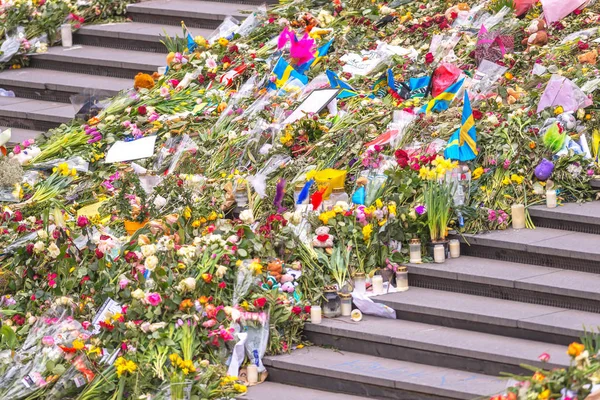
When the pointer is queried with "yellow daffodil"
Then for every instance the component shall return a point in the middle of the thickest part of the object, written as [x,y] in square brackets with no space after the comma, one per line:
[326,216]
[187,213]
[506,181]
[545,395]
[516,179]
[559,110]
[477,173]
[240,388]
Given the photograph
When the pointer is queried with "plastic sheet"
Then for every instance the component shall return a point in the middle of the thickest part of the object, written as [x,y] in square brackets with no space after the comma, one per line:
[226,30]
[256,325]
[561,91]
[555,10]
[89,103]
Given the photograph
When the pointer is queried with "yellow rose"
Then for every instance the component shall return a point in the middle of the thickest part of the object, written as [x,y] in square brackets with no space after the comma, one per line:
[223,41]
[367,230]
[477,173]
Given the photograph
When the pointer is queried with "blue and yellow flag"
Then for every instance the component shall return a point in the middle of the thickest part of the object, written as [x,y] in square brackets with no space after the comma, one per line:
[191,43]
[462,145]
[442,101]
[320,53]
[284,71]
[336,83]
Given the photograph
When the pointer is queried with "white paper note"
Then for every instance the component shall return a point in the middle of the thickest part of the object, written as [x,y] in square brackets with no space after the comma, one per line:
[134,150]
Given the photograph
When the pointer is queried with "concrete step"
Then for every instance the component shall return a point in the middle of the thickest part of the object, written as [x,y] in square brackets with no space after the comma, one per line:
[548,247]
[375,377]
[246,2]
[59,86]
[34,115]
[277,391]
[583,217]
[134,36]
[511,281]
[482,314]
[19,135]
[434,345]
[98,61]
[198,14]
[595,183]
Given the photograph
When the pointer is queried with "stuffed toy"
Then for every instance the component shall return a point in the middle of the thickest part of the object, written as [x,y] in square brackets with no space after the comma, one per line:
[537,34]
[453,11]
[275,268]
[289,281]
[322,238]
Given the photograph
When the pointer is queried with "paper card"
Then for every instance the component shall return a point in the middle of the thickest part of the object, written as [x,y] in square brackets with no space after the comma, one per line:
[90,211]
[109,308]
[134,150]
[314,103]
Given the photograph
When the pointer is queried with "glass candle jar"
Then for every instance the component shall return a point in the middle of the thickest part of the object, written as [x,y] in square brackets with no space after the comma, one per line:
[551,198]
[360,282]
[346,307]
[241,197]
[332,306]
[337,194]
[454,248]
[315,314]
[439,253]
[402,279]
[518,216]
[377,282]
[414,247]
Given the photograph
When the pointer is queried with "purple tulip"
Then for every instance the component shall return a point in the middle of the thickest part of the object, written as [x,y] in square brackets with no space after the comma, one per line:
[544,170]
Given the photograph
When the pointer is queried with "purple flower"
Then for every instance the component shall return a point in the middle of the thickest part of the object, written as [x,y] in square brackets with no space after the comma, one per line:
[420,210]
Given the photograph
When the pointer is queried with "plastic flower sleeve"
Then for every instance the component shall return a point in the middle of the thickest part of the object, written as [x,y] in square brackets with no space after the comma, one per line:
[73,381]
[257,327]
[561,91]
[555,10]
[242,283]
[226,30]
[485,79]
[252,21]
[184,145]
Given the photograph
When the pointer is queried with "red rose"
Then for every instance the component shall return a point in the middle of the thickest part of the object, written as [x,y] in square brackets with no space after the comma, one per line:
[222,285]
[296,310]
[82,221]
[17,216]
[582,45]
[29,248]
[307,309]
[260,302]
[99,254]
[142,110]
[226,59]
[477,114]
[429,58]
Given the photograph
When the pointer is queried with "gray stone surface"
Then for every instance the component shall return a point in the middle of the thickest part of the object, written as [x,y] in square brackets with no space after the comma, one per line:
[62,81]
[19,135]
[401,375]
[277,391]
[514,275]
[191,9]
[105,57]
[458,342]
[138,31]
[570,322]
[36,109]
[588,213]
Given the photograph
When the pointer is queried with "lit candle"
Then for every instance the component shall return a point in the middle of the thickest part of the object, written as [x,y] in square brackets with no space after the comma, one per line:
[518,216]
[66,35]
[415,251]
[439,254]
[551,198]
[315,314]
[454,248]
[252,372]
[377,282]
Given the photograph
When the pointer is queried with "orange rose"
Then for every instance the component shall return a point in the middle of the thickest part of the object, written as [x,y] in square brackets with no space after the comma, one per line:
[575,349]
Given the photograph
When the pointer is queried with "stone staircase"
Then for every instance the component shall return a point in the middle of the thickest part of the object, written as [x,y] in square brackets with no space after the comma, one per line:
[512,296]
[103,58]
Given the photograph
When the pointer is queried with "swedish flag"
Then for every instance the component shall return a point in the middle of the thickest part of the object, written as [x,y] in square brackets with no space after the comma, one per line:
[462,145]
[380,85]
[336,83]
[191,43]
[284,71]
[442,101]
[320,53]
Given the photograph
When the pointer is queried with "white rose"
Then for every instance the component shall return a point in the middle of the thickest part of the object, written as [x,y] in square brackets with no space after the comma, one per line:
[53,250]
[247,217]
[148,250]
[188,284]
[221,270]
[32,219]
[145,327]
[39,247]
[42,234]
[157,325]
[151,263]
[138,294]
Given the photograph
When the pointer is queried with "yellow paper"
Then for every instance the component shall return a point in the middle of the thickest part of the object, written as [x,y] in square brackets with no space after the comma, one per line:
[199,108]
[332,178]
[90,211]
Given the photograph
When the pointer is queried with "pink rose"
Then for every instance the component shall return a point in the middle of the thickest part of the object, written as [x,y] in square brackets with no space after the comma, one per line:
[210,323]
[48,341]
[123,283]
[153,298]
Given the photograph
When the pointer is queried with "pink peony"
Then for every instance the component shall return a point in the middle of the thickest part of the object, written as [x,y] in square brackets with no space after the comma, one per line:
[153,298]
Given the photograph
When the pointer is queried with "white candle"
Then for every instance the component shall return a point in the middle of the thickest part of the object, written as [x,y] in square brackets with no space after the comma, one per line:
[454,248]
[346,308]
[439,254]
[360,283]
[551,198]
[377,283]
[315,314]
[518,216]
[415,251]
[252,372]
[66,35]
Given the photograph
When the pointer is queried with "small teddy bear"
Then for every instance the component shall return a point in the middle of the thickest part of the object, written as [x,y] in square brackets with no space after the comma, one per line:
[289,281]
[537,34]
[275,268]
[322,238]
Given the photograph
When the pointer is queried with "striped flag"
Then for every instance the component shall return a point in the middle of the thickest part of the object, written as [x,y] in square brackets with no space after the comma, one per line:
[442,101]
[284,71]
[336,83]
[320,53]
[191,43]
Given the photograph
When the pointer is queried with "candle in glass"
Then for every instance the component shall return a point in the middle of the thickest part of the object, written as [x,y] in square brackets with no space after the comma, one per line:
[360,282]
[346,304]
[401,279]
[518,216]
[415,251]
[315,314]
[252,373]
[551,198]
[439,253]
[377,282]
[454,248]
[66,35]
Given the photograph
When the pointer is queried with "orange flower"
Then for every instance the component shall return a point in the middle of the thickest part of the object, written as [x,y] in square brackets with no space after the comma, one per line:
[185,304]
[575,349]
[508,76]
[93,121]
[538,377]
[532,145]
[207,278]
[203,300]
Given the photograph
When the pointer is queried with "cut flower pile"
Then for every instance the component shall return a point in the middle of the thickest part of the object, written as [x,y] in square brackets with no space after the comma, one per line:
[163,274]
